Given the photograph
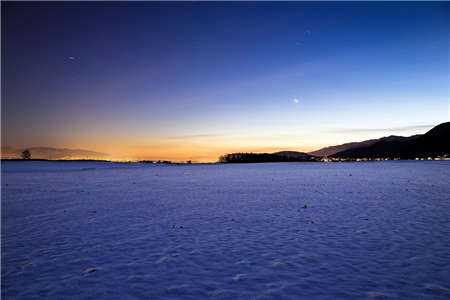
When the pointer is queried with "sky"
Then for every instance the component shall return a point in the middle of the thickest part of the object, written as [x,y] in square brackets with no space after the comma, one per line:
[193,80]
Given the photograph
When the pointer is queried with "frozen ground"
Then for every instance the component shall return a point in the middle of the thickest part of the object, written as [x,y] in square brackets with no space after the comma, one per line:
[107,231]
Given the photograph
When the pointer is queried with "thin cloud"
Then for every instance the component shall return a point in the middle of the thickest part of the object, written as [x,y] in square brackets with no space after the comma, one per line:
[392,129]
[193,136]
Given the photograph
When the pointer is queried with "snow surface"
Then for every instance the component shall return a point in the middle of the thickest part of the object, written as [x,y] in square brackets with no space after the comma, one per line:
[271,231]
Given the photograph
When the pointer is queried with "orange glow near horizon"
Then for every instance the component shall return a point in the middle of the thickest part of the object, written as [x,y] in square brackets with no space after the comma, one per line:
[196,151]
[207,147]
[195,81]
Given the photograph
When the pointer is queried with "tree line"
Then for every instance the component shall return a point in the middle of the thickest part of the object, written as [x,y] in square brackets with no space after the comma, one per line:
[249,157]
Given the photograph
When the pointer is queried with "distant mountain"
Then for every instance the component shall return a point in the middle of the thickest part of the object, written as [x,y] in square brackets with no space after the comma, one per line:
[9,152]
[328,151]
[331,150]
[53,153]
[435,142]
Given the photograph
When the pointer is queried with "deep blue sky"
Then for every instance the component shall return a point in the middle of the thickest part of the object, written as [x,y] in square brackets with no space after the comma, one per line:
[191,80]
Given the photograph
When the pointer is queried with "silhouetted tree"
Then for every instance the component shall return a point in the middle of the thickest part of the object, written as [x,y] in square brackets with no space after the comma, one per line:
[258,158]
[26,154]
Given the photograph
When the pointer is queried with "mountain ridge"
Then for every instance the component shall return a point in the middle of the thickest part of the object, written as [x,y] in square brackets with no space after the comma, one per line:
[435,142]
[52,153]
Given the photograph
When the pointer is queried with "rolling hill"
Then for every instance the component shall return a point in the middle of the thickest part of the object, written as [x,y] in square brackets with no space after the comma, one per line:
[436,142]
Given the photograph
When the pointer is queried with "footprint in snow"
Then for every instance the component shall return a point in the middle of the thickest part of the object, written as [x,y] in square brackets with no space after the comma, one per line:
[162,260]
[376,295]
[243,262]
[239,277]
[278,263]
[90,270]
[177,288]
[26,264]
[438,290]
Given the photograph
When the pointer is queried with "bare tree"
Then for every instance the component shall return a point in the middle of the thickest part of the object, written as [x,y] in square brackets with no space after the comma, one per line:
[26,154]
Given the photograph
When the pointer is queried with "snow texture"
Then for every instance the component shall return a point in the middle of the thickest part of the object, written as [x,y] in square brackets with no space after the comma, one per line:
[87,230]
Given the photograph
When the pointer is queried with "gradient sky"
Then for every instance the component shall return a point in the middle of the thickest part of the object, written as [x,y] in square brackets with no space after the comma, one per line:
[193,80]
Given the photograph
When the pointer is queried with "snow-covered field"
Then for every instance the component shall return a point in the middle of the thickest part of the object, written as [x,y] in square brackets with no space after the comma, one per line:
[270,231]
